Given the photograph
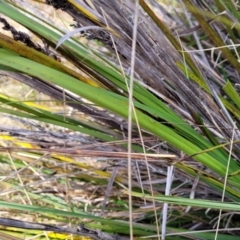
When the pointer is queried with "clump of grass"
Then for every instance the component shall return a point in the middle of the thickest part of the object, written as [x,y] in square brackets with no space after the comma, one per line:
[183,155]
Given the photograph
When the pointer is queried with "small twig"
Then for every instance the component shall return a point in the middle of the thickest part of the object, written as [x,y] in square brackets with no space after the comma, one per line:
[92,153]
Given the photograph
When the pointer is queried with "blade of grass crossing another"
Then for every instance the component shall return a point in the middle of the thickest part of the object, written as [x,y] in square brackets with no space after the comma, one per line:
[115,103]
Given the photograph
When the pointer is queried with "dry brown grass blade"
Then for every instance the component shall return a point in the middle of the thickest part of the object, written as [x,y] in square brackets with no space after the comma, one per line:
[92,153]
